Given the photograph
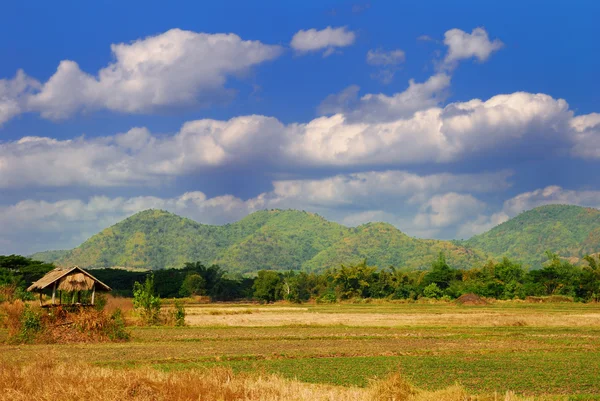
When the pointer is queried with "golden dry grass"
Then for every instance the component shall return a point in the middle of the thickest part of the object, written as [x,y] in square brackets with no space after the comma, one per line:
[114,303]
[46,380]
[472,318]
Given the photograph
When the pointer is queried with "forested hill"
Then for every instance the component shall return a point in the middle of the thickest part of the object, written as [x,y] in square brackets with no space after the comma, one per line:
[570,231]
[270,239]
[291,239]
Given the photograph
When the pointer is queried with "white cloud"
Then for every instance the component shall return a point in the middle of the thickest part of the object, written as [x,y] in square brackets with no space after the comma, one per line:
[374,108]
[586,135]
[463,45]
[328,39]
[175,68]
[456,132]
[340,102]
[472,126]
[13,95]
[137,156]
[387,63]
[417,97]
[383,189]
[380,57]
[442,211]
[480,224]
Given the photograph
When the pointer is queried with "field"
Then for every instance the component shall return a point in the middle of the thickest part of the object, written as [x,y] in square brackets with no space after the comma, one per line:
[544,351]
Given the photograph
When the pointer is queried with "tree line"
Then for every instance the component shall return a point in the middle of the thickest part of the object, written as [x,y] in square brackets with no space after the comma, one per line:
[504,279]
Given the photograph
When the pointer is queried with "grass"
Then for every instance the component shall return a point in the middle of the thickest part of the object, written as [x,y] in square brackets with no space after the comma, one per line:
[549,350]
[49,380]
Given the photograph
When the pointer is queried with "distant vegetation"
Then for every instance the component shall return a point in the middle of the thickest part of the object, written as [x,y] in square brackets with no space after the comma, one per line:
[504,279]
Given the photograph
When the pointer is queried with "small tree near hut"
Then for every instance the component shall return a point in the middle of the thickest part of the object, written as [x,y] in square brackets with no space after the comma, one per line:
[146,301]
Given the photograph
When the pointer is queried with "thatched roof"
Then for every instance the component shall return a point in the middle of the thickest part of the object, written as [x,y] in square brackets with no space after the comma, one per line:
[68,279]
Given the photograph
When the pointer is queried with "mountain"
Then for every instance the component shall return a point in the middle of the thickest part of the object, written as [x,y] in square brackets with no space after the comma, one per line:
[49,256]
[384,245]
[291,239]
[269,239]
[570,231]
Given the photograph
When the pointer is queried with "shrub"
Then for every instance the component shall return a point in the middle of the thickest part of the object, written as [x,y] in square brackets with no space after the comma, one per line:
[100,301]
[31,325]
[179,314]
[327,298]
[116,330]
[432,291]
[58,325]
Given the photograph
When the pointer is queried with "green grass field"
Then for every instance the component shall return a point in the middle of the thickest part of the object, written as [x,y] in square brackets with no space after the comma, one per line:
[532,349]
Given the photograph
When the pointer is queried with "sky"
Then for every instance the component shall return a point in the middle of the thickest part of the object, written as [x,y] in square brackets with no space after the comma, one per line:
[441,118]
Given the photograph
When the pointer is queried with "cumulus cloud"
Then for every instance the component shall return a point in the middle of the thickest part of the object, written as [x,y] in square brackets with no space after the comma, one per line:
[586,135]
[417,97]
[340,102]
[13,95]
[373,108]
[462,45]
[137,156]
[394,194]
[456,132]
[447,210]
[328,39]
[175,68]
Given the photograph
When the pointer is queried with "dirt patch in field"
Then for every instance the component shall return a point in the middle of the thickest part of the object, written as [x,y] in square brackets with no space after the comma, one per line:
[471,299]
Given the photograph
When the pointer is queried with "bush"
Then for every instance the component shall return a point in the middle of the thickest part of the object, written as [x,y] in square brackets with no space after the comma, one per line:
[432,291]
[100,301]
[30,325]
[116,331]
[58,325]
[327,298]
[179,314]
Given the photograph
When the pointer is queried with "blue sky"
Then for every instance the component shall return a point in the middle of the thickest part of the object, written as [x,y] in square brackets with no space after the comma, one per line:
[215,110]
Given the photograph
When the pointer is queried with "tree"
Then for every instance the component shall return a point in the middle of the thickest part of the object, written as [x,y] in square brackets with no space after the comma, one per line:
[591,278]
[296,287]
[212,275]
[146,301]
[354,281]
[267,286]
[441,273]
[193,284]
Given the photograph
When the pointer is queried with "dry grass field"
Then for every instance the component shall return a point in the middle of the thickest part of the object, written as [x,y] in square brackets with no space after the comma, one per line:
[333,352]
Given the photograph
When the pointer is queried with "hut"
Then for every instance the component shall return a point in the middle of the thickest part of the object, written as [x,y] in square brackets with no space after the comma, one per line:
[71,280]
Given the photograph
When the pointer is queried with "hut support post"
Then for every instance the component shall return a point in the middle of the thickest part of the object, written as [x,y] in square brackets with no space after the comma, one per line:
[73,298]
[93,293]
[54,293]
[41,303]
